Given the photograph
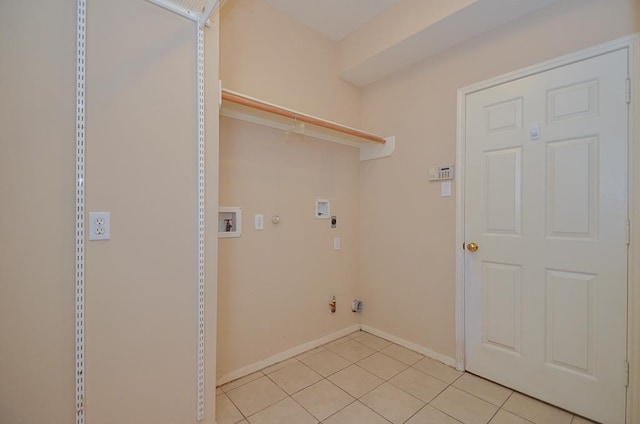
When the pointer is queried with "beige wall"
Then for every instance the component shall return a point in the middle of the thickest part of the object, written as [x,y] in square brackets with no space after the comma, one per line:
[37,151]
[275,285]
[268,55]
[408,231]
[140,295]
[397,232]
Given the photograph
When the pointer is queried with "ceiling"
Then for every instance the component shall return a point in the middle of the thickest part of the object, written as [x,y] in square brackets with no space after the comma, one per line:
[335,19]
[376,38]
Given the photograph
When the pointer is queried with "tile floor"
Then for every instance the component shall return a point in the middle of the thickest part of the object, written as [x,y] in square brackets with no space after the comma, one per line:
[363,379]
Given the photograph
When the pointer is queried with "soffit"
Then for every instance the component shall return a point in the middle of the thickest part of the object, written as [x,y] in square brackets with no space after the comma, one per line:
[376,38]
[335,19]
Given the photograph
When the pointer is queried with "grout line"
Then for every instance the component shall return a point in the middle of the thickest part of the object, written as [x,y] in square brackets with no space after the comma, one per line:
[338,411]
[243,384]
[471,394]
[416,413]
[366,393]
[494,415]
[366,406]
[382,381]
[347,338]
[235,406]
[299,390]
[442,391]
[433,376]
[302,406]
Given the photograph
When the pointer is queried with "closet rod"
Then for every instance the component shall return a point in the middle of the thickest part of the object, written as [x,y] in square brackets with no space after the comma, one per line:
[241,99]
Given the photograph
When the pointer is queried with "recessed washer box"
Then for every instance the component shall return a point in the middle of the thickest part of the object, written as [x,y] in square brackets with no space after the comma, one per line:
[229,221]
[323,209]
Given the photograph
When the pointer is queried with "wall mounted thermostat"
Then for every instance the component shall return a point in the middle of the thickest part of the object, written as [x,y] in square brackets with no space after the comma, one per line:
[441,173]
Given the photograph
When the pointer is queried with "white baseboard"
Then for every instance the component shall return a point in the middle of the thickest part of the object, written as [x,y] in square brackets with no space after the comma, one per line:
[283,356]
[257,366]
[409,345]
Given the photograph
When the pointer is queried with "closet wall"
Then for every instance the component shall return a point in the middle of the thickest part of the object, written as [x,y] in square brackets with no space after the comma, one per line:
[141,166]
[37,158]
[140,286]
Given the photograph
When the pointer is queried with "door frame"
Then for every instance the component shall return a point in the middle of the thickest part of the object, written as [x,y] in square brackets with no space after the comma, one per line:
[632,45]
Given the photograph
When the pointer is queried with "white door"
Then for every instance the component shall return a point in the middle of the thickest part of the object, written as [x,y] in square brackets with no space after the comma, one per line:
[546,203]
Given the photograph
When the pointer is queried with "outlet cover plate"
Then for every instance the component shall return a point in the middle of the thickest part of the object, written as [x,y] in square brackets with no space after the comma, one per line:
[99,225]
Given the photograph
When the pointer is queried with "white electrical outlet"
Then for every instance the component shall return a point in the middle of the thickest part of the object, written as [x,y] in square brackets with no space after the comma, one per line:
[336,243]
[99,225]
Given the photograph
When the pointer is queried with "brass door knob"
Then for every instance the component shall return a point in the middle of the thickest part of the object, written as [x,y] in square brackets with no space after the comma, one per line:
[472,247]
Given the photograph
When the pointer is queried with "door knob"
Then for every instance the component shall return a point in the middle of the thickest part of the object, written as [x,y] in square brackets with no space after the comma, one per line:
[472,247]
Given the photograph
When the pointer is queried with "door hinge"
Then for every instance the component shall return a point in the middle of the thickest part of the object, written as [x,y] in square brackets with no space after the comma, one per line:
[626,370]
[628,90]
[219,93]
[628,232]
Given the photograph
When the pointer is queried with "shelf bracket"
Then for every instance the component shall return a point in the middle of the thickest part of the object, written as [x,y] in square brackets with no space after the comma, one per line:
[371,151]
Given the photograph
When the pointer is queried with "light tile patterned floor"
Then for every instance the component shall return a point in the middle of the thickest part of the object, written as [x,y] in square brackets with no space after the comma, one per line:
[363,379]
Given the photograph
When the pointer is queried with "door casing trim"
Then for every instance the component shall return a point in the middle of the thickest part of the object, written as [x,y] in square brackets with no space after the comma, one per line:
[632,45]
